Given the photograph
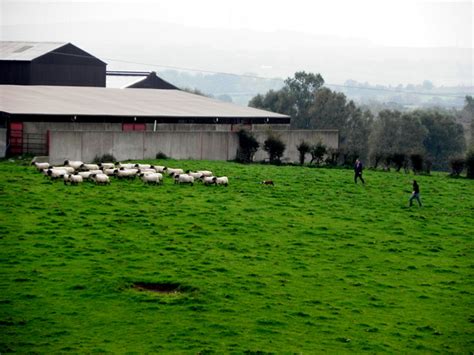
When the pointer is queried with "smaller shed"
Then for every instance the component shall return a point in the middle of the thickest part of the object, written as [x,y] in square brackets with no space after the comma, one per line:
[49,63]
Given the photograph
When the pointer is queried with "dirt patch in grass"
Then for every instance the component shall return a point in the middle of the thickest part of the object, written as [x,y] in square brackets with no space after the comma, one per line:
[165,287]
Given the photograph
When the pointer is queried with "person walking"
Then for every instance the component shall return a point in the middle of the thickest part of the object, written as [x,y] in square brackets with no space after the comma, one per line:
[358,171]
[415,195]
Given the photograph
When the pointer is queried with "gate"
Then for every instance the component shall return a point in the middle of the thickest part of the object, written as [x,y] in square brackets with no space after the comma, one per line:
[35,143]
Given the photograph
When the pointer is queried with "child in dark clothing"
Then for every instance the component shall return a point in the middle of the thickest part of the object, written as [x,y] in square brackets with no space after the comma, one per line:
[415,194]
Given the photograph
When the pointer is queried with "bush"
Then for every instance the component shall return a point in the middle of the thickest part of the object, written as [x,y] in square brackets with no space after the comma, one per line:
[457,166]
[275,147]
[470,164]
[303,149]
[248,146]
[106,158]
[332,156]
[317,153]
[161,155]
[416,163]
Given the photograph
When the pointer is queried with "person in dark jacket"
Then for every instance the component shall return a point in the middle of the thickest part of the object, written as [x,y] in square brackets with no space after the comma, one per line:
[415,195]
[358,171]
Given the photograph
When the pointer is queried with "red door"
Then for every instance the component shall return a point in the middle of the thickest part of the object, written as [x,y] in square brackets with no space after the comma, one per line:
[16,138]
[133,127]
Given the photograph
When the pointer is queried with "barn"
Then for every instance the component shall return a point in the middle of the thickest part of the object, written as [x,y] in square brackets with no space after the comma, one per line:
[54,102]
[49,63]
[81,122]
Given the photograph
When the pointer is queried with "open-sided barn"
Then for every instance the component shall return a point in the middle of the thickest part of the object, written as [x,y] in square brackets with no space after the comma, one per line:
[49,63]
[36,116]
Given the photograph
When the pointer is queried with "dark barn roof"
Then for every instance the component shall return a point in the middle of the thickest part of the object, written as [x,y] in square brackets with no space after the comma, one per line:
[30,51]
[49,63]
[152,81]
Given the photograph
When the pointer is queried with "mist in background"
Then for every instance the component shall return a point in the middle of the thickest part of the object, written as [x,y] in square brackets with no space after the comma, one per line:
[392,44]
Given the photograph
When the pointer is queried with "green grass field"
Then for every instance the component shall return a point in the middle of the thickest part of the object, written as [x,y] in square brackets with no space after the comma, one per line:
[313,264]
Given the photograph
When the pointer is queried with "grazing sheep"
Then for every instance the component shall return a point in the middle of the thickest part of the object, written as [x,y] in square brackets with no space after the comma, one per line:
[267,182]
[223,180]
[123,173]
[143,166]
[172,171]
[144,171]
[183,179]
[69,169]
[100,179]
[159,168]
[106,165]
[194,175]
[126,165]
[41,166]
[72,179]
[109,172]
[205,172]
[208,180]
[89,167]
[56,173]
[152,178]
[76,164]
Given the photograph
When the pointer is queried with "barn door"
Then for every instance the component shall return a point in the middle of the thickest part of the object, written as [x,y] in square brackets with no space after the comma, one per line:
[16,138]
[133,127]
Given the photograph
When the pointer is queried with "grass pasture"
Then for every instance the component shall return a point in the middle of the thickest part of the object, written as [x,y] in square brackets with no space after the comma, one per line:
[313,264]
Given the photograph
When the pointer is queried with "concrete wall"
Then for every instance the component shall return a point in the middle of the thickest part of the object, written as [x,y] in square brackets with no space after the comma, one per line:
[209,145]
[3,142]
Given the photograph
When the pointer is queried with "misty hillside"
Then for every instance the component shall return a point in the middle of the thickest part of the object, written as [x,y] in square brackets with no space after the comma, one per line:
[269,54]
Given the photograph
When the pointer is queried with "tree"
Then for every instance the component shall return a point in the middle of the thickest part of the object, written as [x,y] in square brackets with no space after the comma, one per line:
[248,146]
[275,147]
[303,149]
[444,139]
[395,136]
[294,99]
[357,130]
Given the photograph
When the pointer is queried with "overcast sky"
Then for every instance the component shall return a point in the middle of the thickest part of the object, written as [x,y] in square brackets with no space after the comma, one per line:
[387,23]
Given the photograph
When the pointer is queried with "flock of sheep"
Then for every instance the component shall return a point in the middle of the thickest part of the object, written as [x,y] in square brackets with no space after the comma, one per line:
[75,172]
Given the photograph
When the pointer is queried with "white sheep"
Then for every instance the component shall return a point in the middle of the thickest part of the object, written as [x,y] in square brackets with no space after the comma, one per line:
[146,170]
[172,172]
[208,180]
[72,179]
[69,169]
[183,179]
[223,180]
[194,175]
[100,179]
[106,165]
[109,172]
[205,172]
[85,174]
[76,164]
[56,173]
[126,165]
[89,167]
[152,178]
[41,166]
[126,173]
[143,166]
[159,168]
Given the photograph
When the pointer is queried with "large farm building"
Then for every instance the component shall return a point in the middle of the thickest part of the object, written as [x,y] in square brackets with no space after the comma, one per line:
[53,102]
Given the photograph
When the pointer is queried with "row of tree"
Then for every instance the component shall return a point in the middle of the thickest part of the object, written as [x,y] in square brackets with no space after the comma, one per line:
[433,134]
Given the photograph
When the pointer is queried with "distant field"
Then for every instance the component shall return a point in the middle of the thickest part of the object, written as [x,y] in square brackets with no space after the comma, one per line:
[313,264]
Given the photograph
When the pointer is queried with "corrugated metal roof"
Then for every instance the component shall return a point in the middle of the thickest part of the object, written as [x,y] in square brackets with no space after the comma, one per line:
[26,51]
[95,101]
